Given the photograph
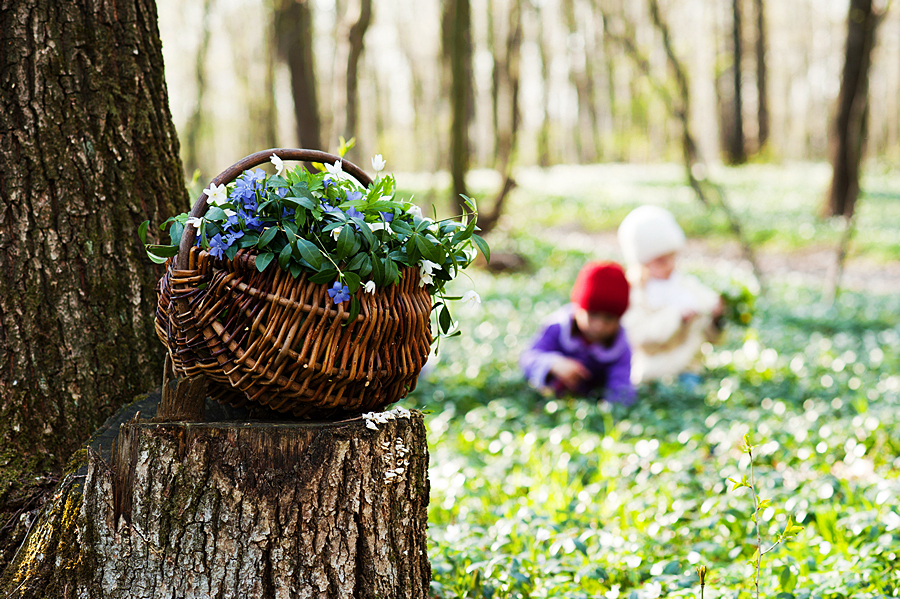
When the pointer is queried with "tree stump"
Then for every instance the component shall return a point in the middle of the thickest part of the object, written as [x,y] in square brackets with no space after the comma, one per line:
[237,510]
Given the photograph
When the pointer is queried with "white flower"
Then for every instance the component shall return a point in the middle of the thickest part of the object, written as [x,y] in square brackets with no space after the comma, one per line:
[612,593]
[472,297]
[415,211]
[229,212]
[427,272]
[369,287]
[216,195]
[336,232]
[651,591]
[279,164]
[379,226]
[471,253]
[195,221]
[336,170]
[378,163]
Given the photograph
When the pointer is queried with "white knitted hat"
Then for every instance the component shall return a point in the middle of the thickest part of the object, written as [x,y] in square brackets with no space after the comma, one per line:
[649,232]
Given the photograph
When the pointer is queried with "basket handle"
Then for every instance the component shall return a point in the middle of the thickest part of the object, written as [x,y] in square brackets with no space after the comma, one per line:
[255,159]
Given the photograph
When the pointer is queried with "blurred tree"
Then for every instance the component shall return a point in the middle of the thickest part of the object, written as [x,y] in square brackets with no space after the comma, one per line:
[849,127]
[762,76]
[581,74]
[193,128]
[735,145]
[544,155]
[457,52]
[294,35]
[88,151]
[357,34]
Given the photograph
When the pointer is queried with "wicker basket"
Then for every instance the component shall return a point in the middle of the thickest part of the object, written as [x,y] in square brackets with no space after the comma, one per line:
[269,339]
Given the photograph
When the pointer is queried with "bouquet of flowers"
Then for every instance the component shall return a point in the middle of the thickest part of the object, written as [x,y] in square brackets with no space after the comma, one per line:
[326,223]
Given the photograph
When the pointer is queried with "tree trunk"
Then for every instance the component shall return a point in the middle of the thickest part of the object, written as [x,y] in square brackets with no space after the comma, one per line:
[543,137]
[736,151]
[357,34]
[293,31]
[194,126]
[848,133]
[88,151]
[233,510]
[458,50]
[762,77]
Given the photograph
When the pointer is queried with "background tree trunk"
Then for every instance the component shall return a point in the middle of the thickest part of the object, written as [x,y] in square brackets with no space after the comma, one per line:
[294,32]
[762,77]
[232,510]
[736,149]
[357,35]
[848,133]
[88,151]
[193,129]
[457,24]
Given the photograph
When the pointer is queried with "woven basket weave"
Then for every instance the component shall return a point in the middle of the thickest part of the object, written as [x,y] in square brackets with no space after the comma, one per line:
[269,339]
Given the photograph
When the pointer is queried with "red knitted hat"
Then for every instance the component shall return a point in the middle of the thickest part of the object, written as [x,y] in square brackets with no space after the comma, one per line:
[601,287]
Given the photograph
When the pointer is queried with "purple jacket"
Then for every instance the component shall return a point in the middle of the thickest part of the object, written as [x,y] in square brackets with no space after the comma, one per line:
[610,366]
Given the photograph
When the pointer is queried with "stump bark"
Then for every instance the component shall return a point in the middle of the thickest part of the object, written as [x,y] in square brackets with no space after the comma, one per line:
[233,509]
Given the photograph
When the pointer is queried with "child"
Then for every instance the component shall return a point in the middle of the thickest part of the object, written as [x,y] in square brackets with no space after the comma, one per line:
[671,314]
[582,349]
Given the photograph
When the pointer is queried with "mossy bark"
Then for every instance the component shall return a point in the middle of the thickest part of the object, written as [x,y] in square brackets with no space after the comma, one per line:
[87,151]
[239,510]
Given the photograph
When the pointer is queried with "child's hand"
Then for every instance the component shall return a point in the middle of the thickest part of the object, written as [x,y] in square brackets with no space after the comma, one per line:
[688,315]
[569,372]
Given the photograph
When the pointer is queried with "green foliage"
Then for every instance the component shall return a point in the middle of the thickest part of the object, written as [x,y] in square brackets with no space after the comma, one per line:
[538,497]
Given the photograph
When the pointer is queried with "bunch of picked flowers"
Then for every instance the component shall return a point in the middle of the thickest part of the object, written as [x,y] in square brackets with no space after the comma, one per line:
[328,224]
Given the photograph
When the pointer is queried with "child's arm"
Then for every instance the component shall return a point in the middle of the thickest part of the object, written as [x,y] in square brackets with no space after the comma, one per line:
[537,361]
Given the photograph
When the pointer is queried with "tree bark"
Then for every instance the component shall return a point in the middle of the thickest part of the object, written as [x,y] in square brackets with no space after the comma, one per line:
[762,77]
[232,510]
[849,129]
[457,36]
[736,148]
[357,35]
[293,31]
[87,151]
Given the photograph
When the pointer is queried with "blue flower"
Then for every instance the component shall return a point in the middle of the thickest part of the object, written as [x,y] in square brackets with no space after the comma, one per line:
[251,220]
[246,185]
[281,191]
[217,246]
[233,222]
[354,213]
[232,237]
[352,196]
[288,213]
[339,293]
[326,183]
[387,216]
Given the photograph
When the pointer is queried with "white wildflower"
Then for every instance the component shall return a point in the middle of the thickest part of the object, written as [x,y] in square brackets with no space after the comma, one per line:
[378,163]
[427,272]
[472,297]
[279,165]
[415,211]
[336,232]
[369,287]
[379,226]
[612,593]
[652,591]
[336,170]
[216,195]
[194,221]
[229,212]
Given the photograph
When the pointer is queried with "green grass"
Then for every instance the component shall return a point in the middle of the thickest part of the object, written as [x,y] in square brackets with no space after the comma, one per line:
[537,497]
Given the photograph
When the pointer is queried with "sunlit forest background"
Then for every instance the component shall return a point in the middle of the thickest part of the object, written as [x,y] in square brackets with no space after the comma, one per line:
[582,99]
[580,102]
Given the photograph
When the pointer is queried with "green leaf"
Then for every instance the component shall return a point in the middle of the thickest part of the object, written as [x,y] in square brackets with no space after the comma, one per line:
[345,242]
[263,260]
[291,229]
[401,228]
[142,231]
[284,256]
[155,258]
[175,233]
[296,269]
[231,252]
[351,280]
[444,319]
[166,251]
[356,262]
[309,252]
[391,273]
[215,213]
[354,310]
[378,271]
[266,237]
[324,276]
[482,247]
[429,250]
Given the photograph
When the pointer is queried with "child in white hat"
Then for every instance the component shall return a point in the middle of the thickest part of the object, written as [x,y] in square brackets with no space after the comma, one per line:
[670,314]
